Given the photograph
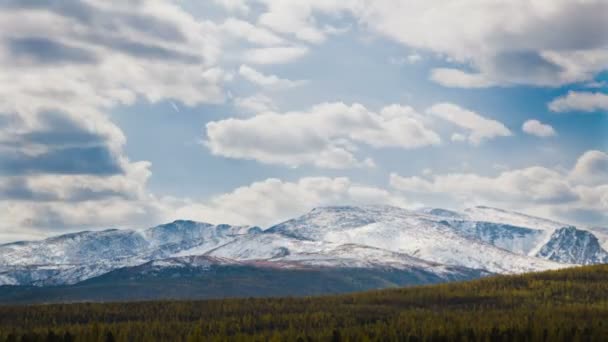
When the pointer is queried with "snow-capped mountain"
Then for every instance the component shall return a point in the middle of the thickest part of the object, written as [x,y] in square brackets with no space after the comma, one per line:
[573,246]
[437,243]
[421,234]
[495,215]
[70,258]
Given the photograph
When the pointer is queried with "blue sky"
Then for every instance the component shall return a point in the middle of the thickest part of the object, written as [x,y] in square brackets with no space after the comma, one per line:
[249,112]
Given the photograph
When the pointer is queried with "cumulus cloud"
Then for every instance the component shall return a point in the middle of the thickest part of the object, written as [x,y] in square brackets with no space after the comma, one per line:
[409,59]
[459,79]
[63,66]
[239,6]
[273,200]
[478,128]
[591,168]
[269,81]
[535,127]
[253,34]
[546,43]
[534,184]
[261,203]
[538,189]
[326,136]
[580,101]
[295,18]
[507,42]
[275,55]
[255,104]
[108,53]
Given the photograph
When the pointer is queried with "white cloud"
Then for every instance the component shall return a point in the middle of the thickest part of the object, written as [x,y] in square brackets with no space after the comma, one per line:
[536,189]
[62,68]
[506,42]
[580,101]
[596,84]
[251,33]
[326,136]
[546,43]
[275,55]
[591,168]
[478,127]
[409,59]
[459,79]
[457,137]
[239,6]
[255,104]
[294,18]
[270,81]
[535,127]
[414,58]
[273,200]
[534,184]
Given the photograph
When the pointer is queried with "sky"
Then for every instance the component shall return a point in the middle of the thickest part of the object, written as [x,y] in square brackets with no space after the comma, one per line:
[134,113]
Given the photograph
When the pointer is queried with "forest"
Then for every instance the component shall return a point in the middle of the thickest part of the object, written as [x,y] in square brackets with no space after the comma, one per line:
[563,305]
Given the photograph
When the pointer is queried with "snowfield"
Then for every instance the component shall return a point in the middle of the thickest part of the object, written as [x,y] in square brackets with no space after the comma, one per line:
[438,241]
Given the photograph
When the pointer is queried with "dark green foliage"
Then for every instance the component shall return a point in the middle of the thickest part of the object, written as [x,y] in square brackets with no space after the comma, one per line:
[566,305]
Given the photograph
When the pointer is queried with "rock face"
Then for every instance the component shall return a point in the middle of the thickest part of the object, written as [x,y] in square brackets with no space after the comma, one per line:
[396,246]
[574,246]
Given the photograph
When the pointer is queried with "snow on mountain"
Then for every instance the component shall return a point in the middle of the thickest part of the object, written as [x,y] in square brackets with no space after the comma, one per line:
[574,246]
[495,215]
[76,248]
[71,258]
[449,244]
[517,240]
[415,233]
[442,213]
[198,262]
[174,238]
[276,247]
[360,256]
[602,235]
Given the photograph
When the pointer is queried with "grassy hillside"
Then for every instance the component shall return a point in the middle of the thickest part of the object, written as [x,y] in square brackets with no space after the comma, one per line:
[565,305]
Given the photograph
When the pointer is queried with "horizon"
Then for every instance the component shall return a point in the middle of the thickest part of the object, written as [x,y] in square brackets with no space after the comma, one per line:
[264,228]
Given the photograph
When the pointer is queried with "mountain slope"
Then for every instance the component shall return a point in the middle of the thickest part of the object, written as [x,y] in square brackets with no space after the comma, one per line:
[418,234]
[495,215]
[71,258]
[203,277]
[433,244]
[574,246]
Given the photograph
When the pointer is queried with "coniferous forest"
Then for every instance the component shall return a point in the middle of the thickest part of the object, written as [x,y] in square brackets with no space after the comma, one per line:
[564,305]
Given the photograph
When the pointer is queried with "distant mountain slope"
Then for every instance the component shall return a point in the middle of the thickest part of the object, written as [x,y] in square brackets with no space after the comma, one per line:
[71,258]
[574,246]
[495,215]
[419,234]
[515,239]
[208,277]
[426,245]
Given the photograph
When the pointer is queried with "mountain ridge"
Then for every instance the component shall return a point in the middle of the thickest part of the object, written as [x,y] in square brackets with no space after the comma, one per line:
[385,241]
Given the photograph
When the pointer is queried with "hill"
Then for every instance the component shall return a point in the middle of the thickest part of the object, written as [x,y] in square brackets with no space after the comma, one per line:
[563,305]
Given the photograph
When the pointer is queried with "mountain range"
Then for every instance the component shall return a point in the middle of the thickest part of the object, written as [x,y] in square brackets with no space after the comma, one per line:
[327,250]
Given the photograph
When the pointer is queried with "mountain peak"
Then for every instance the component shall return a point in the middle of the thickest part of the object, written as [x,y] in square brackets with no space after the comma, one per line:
[574,246]
[369,236]
[496,215]
[180,222]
